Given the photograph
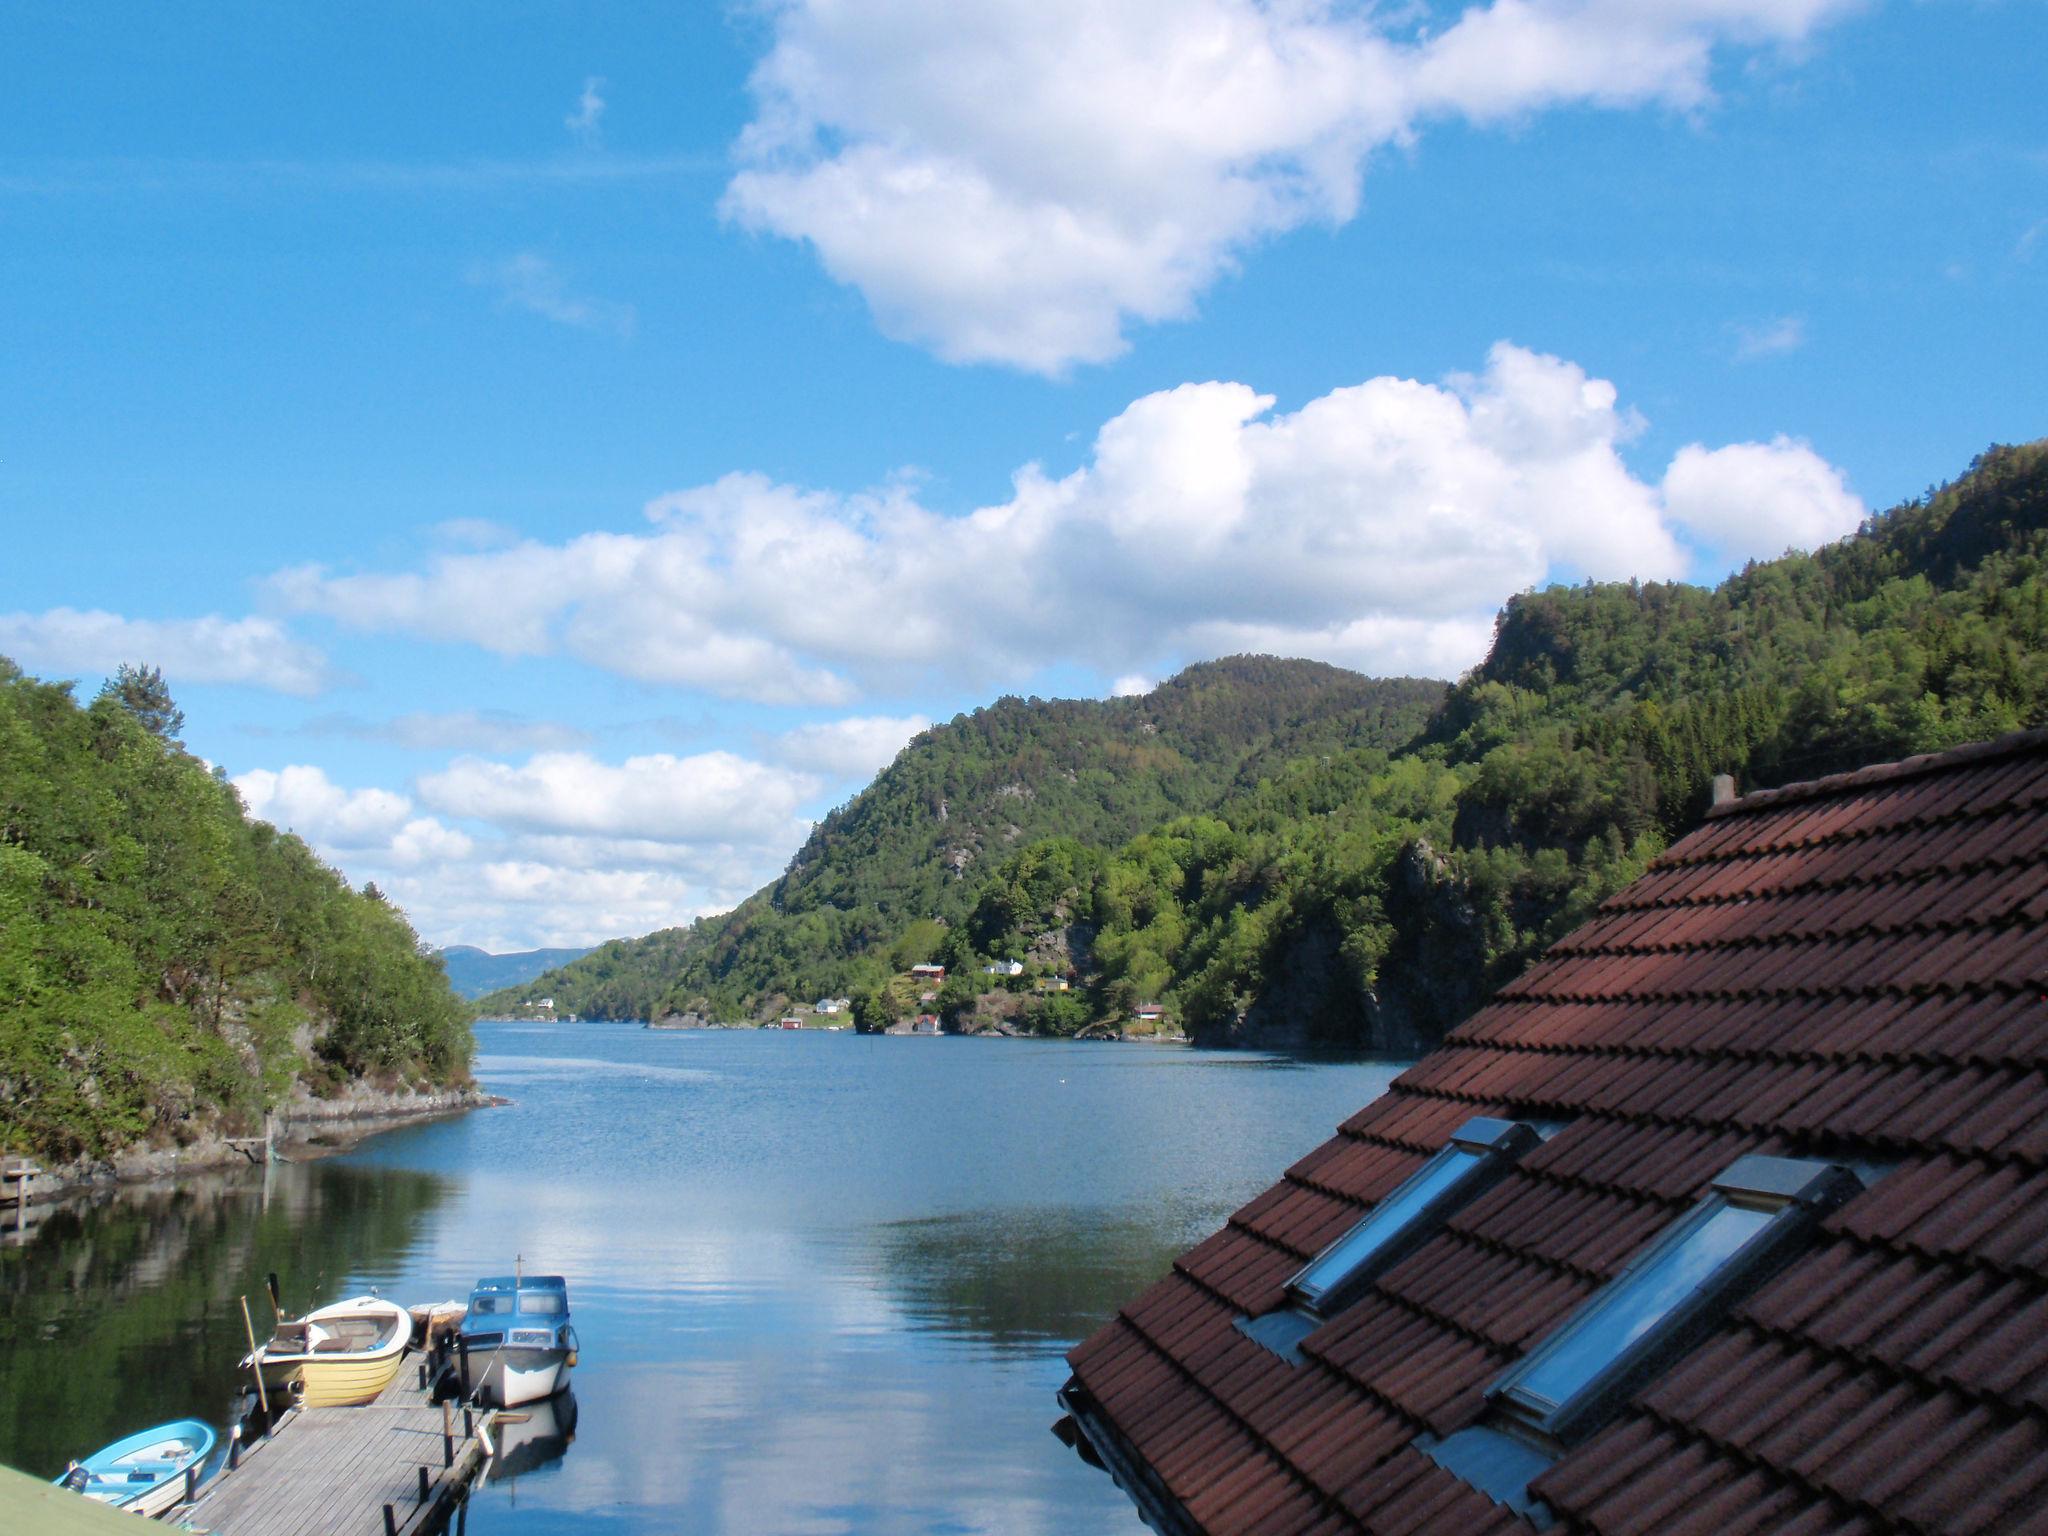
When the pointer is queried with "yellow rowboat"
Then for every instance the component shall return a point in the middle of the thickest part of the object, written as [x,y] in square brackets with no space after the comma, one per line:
[337,1356]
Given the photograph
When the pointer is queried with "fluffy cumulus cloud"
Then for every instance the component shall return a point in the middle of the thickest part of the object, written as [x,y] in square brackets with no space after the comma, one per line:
[1017,180]
[1379,526]
[560,849]
[257,652]
[1759,498]
[853,749]
[712,797]
[347,822]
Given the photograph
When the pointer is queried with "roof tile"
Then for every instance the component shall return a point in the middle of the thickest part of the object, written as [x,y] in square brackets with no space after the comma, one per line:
[1852,969]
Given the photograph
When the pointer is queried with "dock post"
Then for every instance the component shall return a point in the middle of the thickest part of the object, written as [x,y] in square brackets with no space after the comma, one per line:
[390,1522]
[234,1447]
[423,1485]
[447,1449]
[468,1425]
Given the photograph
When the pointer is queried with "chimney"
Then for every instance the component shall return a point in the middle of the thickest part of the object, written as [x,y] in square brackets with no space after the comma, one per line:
[1724,789]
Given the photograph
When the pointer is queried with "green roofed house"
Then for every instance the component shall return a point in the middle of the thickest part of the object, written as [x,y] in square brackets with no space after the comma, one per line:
[1729,1216]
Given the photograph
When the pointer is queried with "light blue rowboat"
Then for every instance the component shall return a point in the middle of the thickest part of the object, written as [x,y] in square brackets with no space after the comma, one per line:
[148,1472]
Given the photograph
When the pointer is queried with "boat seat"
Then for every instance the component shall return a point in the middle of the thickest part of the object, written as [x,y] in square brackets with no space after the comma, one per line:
[333,1347]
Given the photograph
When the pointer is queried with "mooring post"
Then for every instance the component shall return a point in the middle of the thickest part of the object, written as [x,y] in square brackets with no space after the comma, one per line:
[468,1425]
[234,1447]
[390,1522]
[423,1485]
[191,1482]
[447,1449]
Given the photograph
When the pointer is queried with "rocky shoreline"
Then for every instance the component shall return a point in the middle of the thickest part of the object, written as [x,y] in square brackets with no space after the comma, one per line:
[303,1128]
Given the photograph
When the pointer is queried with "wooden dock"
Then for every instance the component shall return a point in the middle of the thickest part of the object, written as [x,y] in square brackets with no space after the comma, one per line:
[400,1464]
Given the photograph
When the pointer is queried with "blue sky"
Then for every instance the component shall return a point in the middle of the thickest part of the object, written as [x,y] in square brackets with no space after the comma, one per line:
[555,452]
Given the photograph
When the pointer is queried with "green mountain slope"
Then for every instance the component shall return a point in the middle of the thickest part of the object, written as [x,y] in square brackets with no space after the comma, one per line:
[1277,874]
[1355,902]
[871,888]
[168,966]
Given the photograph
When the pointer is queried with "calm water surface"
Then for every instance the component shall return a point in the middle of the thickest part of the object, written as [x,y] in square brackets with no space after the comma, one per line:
[823,1282]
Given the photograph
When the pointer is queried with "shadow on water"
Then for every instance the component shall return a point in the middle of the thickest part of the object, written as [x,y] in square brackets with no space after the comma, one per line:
[122,1312]
[1024,1281]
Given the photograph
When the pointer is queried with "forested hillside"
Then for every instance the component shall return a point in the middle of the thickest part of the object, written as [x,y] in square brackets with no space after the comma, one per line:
[168,966]
[880,880]
[1380,902]
[1373,889]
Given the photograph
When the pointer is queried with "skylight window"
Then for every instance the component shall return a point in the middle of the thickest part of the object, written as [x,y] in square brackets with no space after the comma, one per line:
[1472,1161]
[1755,1215]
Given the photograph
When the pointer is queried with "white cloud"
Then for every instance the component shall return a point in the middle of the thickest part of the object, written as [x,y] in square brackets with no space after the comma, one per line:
[423,840]
[1771,338]
[470,730]
[1760,499]
[302,799]
[533,283]
[563,849]
[1379,526]
[585,124]
[257,652]
[712,797]
[1017,180]
[858,747]
[1131,685]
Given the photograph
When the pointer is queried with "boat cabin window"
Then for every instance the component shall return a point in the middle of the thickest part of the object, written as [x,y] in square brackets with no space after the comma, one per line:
[490,1306]
[542,1303]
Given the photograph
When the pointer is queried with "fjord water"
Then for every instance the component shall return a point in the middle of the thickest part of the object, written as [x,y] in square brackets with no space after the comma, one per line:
[823,1282]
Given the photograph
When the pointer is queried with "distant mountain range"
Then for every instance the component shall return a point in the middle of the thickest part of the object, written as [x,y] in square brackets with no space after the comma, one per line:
[1271,851]
[473,972]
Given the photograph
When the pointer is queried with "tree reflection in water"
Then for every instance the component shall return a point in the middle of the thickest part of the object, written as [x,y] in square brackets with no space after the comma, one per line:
[121,1311]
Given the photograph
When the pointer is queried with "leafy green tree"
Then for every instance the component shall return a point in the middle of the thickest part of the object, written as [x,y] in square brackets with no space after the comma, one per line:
[162,956]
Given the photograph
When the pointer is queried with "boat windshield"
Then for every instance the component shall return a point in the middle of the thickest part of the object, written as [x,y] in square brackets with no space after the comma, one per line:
[543,1303]
[487,1305]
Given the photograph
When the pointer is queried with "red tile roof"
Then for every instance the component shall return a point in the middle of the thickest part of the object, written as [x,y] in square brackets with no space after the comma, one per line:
[1850,969]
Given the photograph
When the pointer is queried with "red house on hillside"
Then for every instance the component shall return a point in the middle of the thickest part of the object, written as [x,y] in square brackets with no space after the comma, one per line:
[1731,1215]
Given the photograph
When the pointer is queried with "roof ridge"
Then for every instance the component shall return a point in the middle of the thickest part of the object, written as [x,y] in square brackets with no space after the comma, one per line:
[2011,744]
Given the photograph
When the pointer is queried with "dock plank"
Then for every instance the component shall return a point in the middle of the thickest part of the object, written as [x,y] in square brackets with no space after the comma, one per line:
[331,1471]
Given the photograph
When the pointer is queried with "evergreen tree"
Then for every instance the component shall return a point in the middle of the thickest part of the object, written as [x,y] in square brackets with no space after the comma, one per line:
[143,692]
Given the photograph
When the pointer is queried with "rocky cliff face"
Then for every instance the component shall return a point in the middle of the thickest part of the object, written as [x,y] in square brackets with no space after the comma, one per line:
[304,1126]
[1432,976]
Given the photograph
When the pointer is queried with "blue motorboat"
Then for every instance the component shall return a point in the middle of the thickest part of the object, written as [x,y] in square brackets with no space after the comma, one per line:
[516,1343]
[148,1472]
